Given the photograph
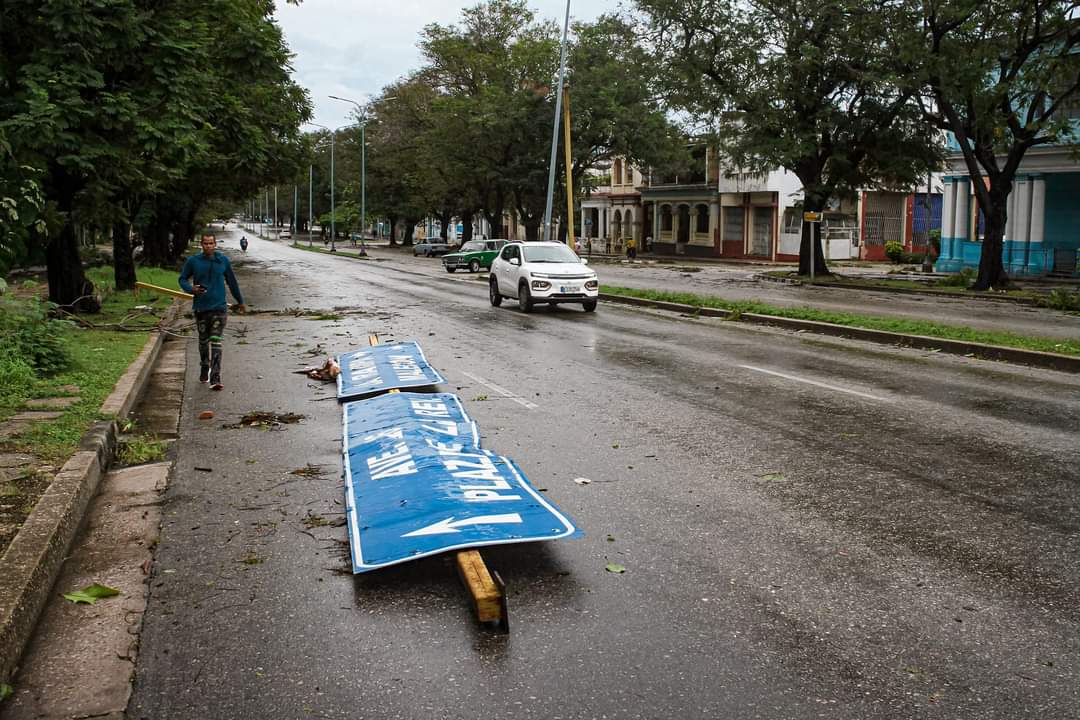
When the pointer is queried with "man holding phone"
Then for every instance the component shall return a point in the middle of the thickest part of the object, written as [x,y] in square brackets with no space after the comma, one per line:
[205,276]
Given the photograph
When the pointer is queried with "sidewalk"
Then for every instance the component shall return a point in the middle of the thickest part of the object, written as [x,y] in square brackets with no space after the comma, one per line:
[33,559]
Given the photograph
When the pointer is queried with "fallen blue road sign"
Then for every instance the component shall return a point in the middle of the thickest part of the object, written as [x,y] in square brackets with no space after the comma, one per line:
[384,367]
[421,485]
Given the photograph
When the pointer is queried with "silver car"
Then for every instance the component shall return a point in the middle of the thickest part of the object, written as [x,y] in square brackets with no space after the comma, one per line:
[430,247]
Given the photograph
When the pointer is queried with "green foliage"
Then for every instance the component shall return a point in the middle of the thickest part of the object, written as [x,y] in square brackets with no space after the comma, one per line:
[91,594]
[28,336]
[935,241]
[894,250]
[811,87]
[1001,78]
[141,449]
[1059,299]
[960,279]
[16,378]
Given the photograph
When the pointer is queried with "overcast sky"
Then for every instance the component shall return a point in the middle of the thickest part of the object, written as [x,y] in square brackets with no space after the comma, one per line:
[353,48]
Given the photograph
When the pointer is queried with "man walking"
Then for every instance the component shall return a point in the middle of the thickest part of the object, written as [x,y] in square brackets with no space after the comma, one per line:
[205,275]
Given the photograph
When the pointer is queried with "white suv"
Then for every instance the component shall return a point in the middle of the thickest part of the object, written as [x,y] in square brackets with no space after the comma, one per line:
[542,272]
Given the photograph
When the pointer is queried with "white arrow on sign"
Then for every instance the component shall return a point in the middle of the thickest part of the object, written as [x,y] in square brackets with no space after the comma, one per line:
[449,525]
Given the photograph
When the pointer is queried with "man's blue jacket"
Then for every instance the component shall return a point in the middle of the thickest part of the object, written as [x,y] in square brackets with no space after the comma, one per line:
[212,273]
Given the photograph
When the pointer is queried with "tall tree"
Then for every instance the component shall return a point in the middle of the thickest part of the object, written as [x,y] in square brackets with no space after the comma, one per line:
[1001,78]
[809,87]
[495,64]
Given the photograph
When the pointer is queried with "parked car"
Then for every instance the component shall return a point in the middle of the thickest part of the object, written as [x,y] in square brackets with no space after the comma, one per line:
[285,234]
[430,247]
[542,272]
[476,255]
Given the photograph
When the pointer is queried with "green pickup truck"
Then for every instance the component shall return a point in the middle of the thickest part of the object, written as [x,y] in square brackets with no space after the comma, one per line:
[476,255]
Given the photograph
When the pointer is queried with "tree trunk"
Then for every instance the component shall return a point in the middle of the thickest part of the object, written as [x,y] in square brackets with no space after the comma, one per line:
[182,234]
[532,229]
[392,219]
[156,243]
[123,264]
[68,286]
[812,203]
[992,275]
[495,215]
[410,225]
[444,223]
[466,226]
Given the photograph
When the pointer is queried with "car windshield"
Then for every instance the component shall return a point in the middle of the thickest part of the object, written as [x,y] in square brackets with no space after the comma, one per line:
[472,247]
[549,254]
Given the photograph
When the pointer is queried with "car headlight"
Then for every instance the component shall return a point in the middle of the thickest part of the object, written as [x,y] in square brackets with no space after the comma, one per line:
[591,284]
[540,284]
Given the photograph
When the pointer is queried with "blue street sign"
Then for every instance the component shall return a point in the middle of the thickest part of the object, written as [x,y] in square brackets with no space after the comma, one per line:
[384,367]
[422,485]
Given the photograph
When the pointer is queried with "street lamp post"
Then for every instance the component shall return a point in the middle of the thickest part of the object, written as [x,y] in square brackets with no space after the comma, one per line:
[555,128]
[362,116]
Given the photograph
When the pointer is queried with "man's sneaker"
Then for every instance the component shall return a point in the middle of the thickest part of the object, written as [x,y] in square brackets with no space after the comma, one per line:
[204,374]
[217,386]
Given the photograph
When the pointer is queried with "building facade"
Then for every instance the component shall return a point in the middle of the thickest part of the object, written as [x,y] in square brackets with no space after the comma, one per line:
[1042,231]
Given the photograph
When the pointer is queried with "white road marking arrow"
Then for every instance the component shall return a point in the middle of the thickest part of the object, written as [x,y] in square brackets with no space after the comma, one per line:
[449,525]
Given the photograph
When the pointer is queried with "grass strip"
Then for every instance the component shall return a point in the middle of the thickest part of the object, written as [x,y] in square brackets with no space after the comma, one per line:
[99,357]
[871,322]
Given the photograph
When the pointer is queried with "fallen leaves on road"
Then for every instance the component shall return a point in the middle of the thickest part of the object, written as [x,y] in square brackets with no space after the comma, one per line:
[309,471]
[91,594]
[266,420]
[615,568]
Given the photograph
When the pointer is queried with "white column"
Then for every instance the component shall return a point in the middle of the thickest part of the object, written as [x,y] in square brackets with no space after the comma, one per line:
[1038,209]
[948,209]
[691,237]
[962,219]
[714,221]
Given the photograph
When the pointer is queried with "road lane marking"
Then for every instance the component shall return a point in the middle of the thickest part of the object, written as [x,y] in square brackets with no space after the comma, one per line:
[503,391]
[815,382]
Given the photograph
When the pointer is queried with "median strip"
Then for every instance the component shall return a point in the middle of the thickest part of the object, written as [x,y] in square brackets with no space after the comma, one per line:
[1010,347]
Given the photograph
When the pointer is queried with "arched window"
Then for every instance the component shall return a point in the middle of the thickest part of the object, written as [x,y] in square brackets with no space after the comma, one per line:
[702,219]
[616,173]
[616,225]
[665,218]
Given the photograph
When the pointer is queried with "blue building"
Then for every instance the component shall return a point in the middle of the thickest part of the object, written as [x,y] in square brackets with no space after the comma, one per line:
[1042,233]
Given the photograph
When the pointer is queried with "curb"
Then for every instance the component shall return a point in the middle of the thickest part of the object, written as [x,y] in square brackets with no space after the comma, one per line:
[1034,358]
[33,559]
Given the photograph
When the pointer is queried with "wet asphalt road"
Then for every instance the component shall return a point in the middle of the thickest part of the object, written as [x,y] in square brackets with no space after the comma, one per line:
[735,282]
[811,527]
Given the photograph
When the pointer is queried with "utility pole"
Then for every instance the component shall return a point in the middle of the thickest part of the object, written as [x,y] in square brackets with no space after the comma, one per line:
[569,174]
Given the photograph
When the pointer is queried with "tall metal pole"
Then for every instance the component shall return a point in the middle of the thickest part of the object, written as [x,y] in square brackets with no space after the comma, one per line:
[333,227]
[363,184]
[555,128]
[294,226]
[309,205]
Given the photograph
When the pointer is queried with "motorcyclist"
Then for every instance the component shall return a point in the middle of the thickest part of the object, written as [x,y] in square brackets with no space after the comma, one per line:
[243,243]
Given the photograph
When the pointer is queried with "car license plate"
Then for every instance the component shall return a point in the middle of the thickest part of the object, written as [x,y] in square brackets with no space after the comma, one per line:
[570,289]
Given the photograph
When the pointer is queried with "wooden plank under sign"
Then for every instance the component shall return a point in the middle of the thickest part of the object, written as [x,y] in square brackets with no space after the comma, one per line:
[487,592]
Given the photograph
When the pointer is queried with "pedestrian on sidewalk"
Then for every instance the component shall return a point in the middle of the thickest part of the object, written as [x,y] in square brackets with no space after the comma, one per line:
[631,248]
[210,271]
